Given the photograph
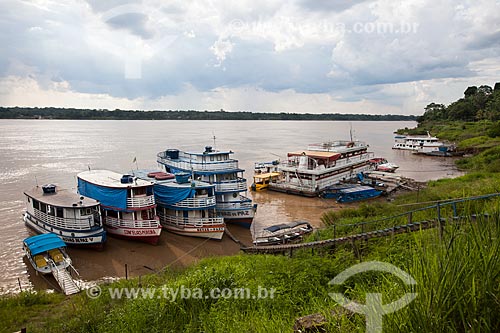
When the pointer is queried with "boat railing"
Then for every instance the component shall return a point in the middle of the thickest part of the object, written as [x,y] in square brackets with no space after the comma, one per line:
[187,164]
[139,202]
[196,203]
[239,184]
[294,162]
[242,203]
[121,223]
[83,223]
[190,221]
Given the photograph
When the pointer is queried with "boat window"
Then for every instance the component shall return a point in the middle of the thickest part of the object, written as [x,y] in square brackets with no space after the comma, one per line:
[43,207]
[50,210]
[36,204]
[139,191]
[219,158]
[211,157]
[59,212]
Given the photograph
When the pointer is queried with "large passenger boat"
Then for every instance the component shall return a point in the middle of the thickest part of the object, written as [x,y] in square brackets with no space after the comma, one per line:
[428,145]
[75,218]
[308,172]
[219,169]
[185,206]
[128,204]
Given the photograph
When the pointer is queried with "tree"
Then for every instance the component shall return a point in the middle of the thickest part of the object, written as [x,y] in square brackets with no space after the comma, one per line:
[470,91]
[497,87]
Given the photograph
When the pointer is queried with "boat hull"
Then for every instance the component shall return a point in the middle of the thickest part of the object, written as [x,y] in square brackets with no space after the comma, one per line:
[147,235]
[212,232]
[243,217]
[70,237]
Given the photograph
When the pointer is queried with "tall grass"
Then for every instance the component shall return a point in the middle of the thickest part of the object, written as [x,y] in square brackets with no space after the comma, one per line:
[458,281]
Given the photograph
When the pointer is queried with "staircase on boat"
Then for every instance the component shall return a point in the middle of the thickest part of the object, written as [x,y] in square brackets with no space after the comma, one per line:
[64,279]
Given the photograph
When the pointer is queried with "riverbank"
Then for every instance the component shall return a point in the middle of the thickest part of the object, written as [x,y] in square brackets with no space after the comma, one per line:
[301,282]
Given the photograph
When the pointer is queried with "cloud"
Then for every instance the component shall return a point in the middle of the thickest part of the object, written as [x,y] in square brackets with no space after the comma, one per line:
[343,53]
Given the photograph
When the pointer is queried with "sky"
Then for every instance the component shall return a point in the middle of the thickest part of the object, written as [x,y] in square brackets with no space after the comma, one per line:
[321,56]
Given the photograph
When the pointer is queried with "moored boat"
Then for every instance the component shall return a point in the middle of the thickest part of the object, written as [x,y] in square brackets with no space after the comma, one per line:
[218,168]
[309,172]
[357,193]
[186,206]
[427,145]
[75,218]
[283,233]
[264,173]
[381,164]
[47,255]
[128,204]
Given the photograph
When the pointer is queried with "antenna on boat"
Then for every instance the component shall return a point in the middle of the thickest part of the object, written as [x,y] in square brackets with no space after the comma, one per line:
[88,166]
[36,181]
[350,131]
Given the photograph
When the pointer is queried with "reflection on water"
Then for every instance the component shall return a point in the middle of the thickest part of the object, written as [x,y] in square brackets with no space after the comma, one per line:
[42,151]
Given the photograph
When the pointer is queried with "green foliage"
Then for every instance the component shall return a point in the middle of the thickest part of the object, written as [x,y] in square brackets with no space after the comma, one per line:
[481,103]
[62,113]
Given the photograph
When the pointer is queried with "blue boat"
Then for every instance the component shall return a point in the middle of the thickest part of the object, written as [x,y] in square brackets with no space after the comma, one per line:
[217,168]
[335,191]
[358,193]
[185,206]
[46,253]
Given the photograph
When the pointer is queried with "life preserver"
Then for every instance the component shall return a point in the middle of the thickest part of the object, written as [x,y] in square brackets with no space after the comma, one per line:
[153,174]
[164,176]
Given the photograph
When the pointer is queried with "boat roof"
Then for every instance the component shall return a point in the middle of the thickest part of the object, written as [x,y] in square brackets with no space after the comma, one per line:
[42,243]
[357,189]
[143,174]
[266,175]
[109,178]
[283,226]
[61,198]
[316,154]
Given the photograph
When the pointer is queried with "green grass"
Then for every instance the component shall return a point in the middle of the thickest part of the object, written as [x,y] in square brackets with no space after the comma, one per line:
[458,275]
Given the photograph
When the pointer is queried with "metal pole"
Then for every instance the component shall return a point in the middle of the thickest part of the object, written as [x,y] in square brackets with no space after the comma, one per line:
[439,220]
[126,272]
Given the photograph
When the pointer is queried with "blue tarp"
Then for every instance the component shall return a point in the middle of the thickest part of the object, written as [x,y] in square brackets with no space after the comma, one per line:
[42,243]
[110,197]
[169,195]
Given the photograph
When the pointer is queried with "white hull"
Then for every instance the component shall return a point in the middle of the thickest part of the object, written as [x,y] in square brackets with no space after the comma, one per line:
[212,232]
[68,236]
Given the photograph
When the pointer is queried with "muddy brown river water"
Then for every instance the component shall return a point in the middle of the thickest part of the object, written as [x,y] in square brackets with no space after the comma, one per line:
[54,151]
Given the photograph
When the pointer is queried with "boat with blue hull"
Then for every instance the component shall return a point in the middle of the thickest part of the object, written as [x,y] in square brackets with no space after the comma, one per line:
[75,218]
[357,193]
[185,206]
[217,168]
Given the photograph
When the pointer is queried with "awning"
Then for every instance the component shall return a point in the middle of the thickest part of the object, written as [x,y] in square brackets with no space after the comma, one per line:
[42,243]
[324,155]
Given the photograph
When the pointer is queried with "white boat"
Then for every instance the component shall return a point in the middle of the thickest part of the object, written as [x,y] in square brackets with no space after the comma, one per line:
[128,204]
[429,145]
[217,168]
[47,255]
[75,218]
[185,206]
[381,164]
[308,172]
[283,233]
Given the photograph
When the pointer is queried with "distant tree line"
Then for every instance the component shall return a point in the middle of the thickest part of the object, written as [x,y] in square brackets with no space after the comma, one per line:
[481,103]
[63,113]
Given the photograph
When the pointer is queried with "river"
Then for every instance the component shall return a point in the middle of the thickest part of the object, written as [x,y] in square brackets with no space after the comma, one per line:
[54,151]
